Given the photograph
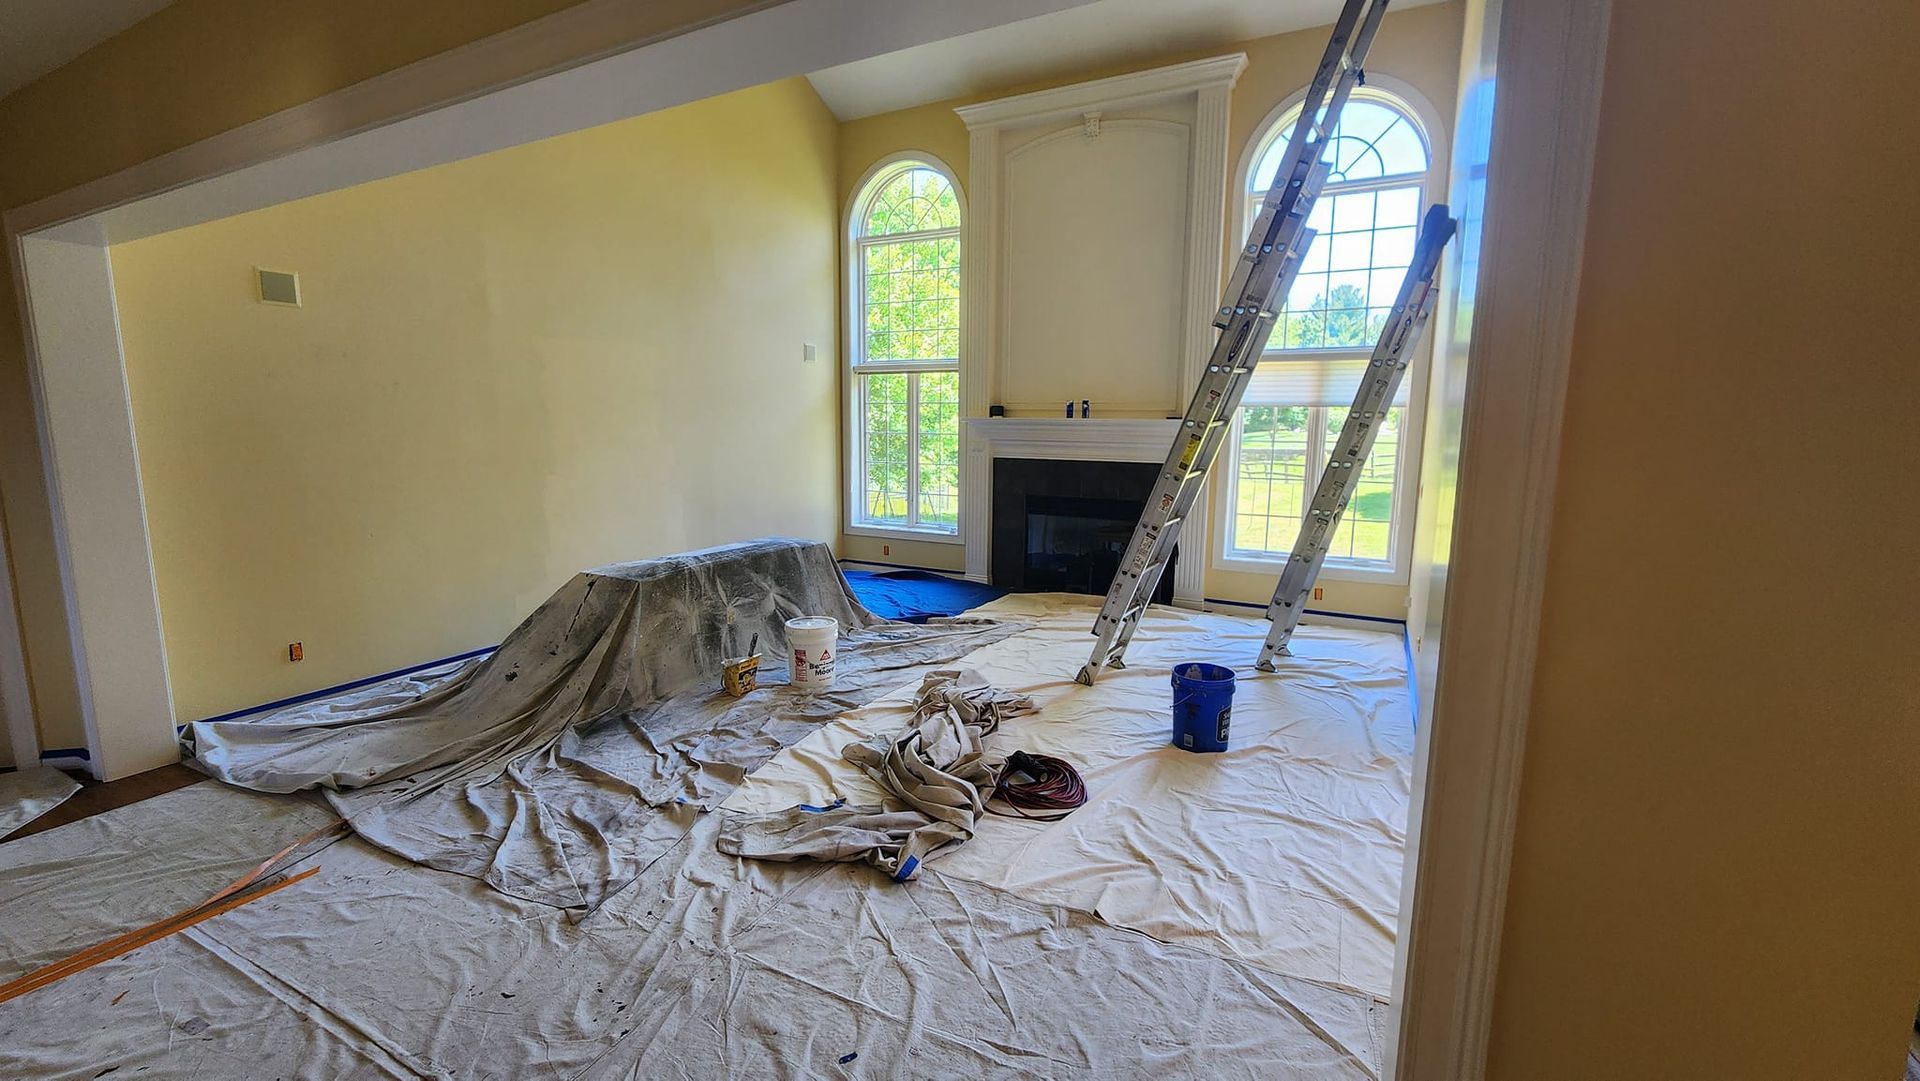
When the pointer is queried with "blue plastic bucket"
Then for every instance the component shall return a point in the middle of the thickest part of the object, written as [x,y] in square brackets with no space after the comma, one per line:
[1202,707]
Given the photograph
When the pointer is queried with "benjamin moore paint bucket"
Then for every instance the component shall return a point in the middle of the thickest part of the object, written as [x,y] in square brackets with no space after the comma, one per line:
[811,643]
[1202,706]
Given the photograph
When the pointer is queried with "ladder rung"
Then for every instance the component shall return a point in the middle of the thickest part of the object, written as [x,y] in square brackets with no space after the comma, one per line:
[1260,279]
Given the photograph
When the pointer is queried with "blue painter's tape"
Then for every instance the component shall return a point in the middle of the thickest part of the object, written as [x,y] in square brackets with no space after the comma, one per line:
[834,806]
[906,869]
[338,688]
[1312,612]
[68,752]
[1413,677]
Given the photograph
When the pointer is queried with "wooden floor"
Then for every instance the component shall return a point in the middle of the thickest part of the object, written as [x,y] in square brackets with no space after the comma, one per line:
[97,796]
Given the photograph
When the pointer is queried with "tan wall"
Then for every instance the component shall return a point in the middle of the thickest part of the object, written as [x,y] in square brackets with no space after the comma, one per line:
[195,69]
[1717,871]
[1419,46]
[505,369]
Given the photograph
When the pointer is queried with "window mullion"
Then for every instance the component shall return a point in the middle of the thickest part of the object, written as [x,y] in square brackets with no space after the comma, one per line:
[1316,455]
[913,449]
[857,348]
[863,471]
[867,240]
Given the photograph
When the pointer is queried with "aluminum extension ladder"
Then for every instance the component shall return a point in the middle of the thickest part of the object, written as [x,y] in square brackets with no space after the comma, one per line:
[1385,368]
[1255,292]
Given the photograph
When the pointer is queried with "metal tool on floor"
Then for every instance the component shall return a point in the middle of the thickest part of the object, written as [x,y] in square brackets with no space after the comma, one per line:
[1255,294]
[263,880]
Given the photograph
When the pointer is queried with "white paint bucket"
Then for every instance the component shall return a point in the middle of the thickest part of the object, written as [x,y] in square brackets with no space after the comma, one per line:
[812,642]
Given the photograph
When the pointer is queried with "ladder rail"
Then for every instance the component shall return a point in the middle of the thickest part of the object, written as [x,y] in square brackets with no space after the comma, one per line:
[1386,367]
[1178,487]
[1256,292]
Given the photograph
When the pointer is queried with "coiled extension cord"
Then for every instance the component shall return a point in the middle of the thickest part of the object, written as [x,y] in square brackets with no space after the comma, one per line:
[1053,785]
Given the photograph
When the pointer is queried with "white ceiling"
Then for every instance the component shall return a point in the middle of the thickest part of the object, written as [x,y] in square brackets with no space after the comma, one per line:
[1087,36]
[37,36]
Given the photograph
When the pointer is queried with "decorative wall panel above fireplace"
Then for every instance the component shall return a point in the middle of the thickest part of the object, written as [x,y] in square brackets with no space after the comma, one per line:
[1096,220]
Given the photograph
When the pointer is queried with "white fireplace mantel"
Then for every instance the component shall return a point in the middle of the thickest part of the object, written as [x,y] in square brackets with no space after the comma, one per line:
[1058,438]
[1089,440]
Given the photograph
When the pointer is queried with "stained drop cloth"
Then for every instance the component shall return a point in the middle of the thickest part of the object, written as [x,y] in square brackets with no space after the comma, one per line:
[1265,879]
[29,793]
[936,775]
[1284,851]
[706,966]
[585,746]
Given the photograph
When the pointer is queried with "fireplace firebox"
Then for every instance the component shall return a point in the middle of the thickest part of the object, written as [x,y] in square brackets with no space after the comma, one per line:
[1063,525]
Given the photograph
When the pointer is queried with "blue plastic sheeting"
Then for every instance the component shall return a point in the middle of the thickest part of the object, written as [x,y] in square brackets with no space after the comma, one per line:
[917,596]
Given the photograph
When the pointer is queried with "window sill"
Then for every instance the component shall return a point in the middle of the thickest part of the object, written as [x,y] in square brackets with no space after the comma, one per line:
[933,536]
[1373,573]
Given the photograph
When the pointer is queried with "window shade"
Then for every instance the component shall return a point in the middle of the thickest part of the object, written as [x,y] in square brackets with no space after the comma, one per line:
[1303,380]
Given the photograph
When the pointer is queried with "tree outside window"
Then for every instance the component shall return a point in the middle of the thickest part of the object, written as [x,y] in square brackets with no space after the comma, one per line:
[1365,221]
[905,427]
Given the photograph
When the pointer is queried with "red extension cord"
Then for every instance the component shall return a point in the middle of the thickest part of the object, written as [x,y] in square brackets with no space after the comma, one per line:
[1053,786]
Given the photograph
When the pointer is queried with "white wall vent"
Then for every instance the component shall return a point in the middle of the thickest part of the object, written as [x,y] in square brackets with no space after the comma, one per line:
[278,286]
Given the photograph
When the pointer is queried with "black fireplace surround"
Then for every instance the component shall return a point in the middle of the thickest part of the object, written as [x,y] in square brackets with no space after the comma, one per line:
[1062,526]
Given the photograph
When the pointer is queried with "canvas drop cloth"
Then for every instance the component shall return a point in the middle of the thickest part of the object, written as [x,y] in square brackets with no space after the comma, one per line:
[1284,851]
[584,748]
[707,966]
[29,793]
[936,776]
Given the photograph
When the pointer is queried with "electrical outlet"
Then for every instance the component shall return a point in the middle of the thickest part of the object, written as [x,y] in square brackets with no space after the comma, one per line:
[886,549]
[808,354]
[295,652]
[1319,594]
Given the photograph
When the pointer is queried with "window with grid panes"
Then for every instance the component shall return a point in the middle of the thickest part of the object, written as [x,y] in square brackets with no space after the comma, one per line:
[1365,219]
[905,284]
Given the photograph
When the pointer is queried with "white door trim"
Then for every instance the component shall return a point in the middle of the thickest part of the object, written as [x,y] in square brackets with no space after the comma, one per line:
[1550,56]
[16,701]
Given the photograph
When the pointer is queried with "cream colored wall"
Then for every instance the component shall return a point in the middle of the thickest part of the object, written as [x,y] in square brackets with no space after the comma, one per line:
[578,351]
[1717,862]
[193,70]
[1419,46]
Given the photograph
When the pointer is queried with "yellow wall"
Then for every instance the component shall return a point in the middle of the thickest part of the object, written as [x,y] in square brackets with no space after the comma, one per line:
[505,369]
[1419,46]
[193,70]
[1717,871]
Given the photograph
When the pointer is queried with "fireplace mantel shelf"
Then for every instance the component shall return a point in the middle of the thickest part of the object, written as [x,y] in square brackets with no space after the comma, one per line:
[1108,439]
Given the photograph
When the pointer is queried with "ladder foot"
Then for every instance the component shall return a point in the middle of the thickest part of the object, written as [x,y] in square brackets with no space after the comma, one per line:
[1086,676]
[1265,664]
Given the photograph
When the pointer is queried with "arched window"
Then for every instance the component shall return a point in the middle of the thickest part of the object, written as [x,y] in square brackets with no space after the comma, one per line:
[904,402]
[1365,221]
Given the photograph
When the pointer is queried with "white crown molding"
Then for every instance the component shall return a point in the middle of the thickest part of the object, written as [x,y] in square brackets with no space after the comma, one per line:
[1115,92]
